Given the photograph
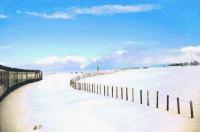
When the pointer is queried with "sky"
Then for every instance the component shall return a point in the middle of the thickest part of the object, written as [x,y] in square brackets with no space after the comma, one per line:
[60,35]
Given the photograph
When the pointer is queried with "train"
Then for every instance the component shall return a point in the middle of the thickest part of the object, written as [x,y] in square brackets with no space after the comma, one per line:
[10,78]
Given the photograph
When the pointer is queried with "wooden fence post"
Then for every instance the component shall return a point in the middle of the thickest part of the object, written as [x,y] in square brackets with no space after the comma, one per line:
[157,93]
[121,92]
[82,86]
[77,86]
[140,96]
[107,90]
[112,91]
[89,87]
[97,89]
[178,105]
[116,92]
[94,89]
[127,94]
[104,90]
[74,85]
[147,98]
[191,110]
[132,94]
[167,102]
[100,88]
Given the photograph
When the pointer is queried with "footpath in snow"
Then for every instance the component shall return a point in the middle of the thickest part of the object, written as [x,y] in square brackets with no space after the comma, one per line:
[54,106]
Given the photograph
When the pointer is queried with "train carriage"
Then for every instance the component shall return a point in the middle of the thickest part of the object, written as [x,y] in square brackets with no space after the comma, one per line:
[11,77]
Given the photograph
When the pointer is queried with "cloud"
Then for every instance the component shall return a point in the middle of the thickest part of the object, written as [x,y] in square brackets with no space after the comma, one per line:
[139,57]
[127,57]
[55,15]
[96,10]
[82,61]
[5,47]
[3,16]
[120,52]
[58,64]
[115,9]
[191,49]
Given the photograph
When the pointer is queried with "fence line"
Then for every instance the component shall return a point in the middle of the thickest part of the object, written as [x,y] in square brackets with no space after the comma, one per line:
[126,95]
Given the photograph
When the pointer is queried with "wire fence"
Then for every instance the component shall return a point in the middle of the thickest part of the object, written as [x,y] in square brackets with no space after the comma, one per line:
[150,98]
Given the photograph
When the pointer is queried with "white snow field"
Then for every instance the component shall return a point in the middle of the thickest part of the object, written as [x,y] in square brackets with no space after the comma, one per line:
[182,82]
[56,107]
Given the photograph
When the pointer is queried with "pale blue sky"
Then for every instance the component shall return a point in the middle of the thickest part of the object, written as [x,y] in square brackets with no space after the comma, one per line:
[35,29]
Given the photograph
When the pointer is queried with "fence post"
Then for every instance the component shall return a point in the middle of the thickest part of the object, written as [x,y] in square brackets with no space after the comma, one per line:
[116,92]
[107,90]
[167,102]
[178,105]
[112,91]
[132,94]
[104,90]
[140,96]
[121,92]
[97,89]
[100,88]
[89,87]
[191,109]
[127,94]
[82,87]
[157,99]
[75,85]
[147,98]
[94,88]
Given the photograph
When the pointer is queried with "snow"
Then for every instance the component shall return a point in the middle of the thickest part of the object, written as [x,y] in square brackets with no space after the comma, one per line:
[182,82]
[54,105]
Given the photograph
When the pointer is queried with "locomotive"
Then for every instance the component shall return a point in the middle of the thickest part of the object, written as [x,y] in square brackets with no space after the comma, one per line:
[11,78]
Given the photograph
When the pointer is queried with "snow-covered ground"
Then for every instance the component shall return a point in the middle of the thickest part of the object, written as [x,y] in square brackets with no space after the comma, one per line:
[54,106]
[182,82]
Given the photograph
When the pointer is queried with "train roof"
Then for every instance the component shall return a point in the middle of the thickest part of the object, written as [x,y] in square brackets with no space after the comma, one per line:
[16,69]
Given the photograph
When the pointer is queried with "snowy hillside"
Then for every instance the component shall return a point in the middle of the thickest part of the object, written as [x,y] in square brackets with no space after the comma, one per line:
[182,82]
